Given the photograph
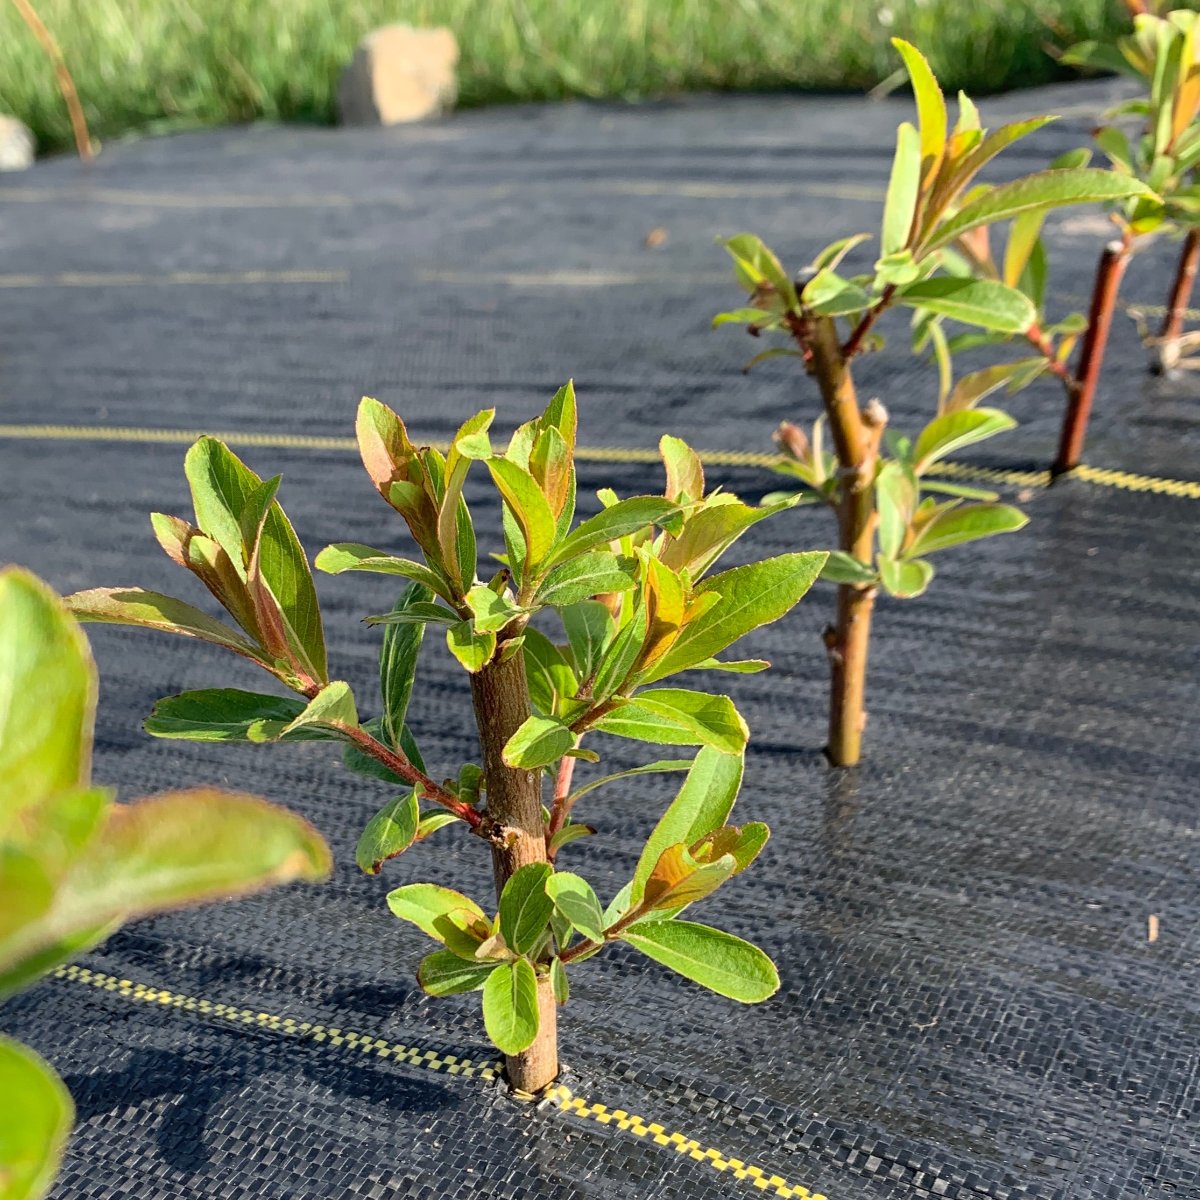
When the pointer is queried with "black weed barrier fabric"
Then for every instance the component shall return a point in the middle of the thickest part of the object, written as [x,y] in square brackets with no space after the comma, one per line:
[971,1003]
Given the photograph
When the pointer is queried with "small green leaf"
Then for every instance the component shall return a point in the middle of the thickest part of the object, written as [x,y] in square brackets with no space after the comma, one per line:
[551,680]
[538,742]
[905,578]
[710,957]
[331,708]
[510,1006]
[431,822]
[388,833]
[744,316]
[35,1121]
[618,659]
[618,521]
[830,295]
[1046,189]
[350,556]
[588,626]
[558,980]
[446,916]
[227,715]
[740,666]
[398,662]
[443,973]
[596,573]
[473,650]
[982,302]
[756,265]
[576,902]
[904,187]
[931,107]
[491,610]
[965,524]
[896,499]
[678,717]
[528,506]
[841,567]
[750,596]
[953,431]
[833,254]
[702,805]
[568,834]
[525,907]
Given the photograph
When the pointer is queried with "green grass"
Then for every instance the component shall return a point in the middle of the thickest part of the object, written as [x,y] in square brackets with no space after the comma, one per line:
[143,64]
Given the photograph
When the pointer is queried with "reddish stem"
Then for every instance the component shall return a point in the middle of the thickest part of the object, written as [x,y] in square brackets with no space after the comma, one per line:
[852,347]
[1041,343]
[400,764]
[1079,404]
[560,810]
[1181,290]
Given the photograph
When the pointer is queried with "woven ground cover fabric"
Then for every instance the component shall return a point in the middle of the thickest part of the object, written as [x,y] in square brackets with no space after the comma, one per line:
[970,1003]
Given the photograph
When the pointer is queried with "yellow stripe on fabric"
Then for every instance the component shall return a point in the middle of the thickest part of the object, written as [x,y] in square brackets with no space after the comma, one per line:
[90,279]
[1128,481]
[557,1096]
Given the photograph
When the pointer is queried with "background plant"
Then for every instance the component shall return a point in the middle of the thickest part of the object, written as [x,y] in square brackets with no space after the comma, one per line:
[75,866]
[1163,54]
[888,523]
[630,595]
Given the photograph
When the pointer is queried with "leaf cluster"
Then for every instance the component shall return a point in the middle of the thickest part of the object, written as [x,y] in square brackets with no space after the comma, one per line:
[75,865]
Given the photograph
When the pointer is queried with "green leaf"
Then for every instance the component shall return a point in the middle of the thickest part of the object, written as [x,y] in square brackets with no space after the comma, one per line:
[982,302]
[1046,189]
[953,431]
[702,805]
[558,978]
[756,265]
[551,680]
[443,973]
[965,524]
[830,295]
[222,486]
[538,742]
[678,879]
[677,717]
[331,708]
[741,666]
[905,578]
[620,520]
[833,254]
[945,488]
[596,573]
[35,1121]
[621,654]
[431,822]
[446,916]
[398,663]
[904,187]
[750,596]
[510,1006]
[228,715]
[150,610]
[896,499]
[525,907]
[841,567]
[589,626]
[654,768]
[529,507]
[931,106]
[389,832]
[744,316]
[491,610]
[351,556]
[576,902]
[473,650]
[47,696]
[710,957]
[685,472]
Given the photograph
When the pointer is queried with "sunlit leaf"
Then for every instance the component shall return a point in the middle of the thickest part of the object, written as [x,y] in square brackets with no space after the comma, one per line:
[710,957]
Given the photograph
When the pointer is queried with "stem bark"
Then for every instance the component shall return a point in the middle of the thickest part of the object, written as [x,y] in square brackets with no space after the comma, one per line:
[1109,271]
[1181,293]
[856,435]
[500,696]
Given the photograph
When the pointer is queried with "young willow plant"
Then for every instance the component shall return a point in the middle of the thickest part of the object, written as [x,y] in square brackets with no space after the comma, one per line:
[1162,53]
[632,592]
[74,865]
[886,525]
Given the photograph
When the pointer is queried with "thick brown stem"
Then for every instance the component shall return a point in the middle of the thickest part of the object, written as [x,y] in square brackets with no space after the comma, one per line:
[500,695]
[66,85]
[856,435]
[1079,403]
[1181,294]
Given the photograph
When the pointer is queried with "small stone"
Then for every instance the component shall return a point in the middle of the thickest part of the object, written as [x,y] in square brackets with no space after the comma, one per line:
[16,145]
[399,74]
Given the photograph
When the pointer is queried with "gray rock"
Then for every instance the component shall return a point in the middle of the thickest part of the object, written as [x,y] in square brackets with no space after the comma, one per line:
[399,74]
[16,145]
